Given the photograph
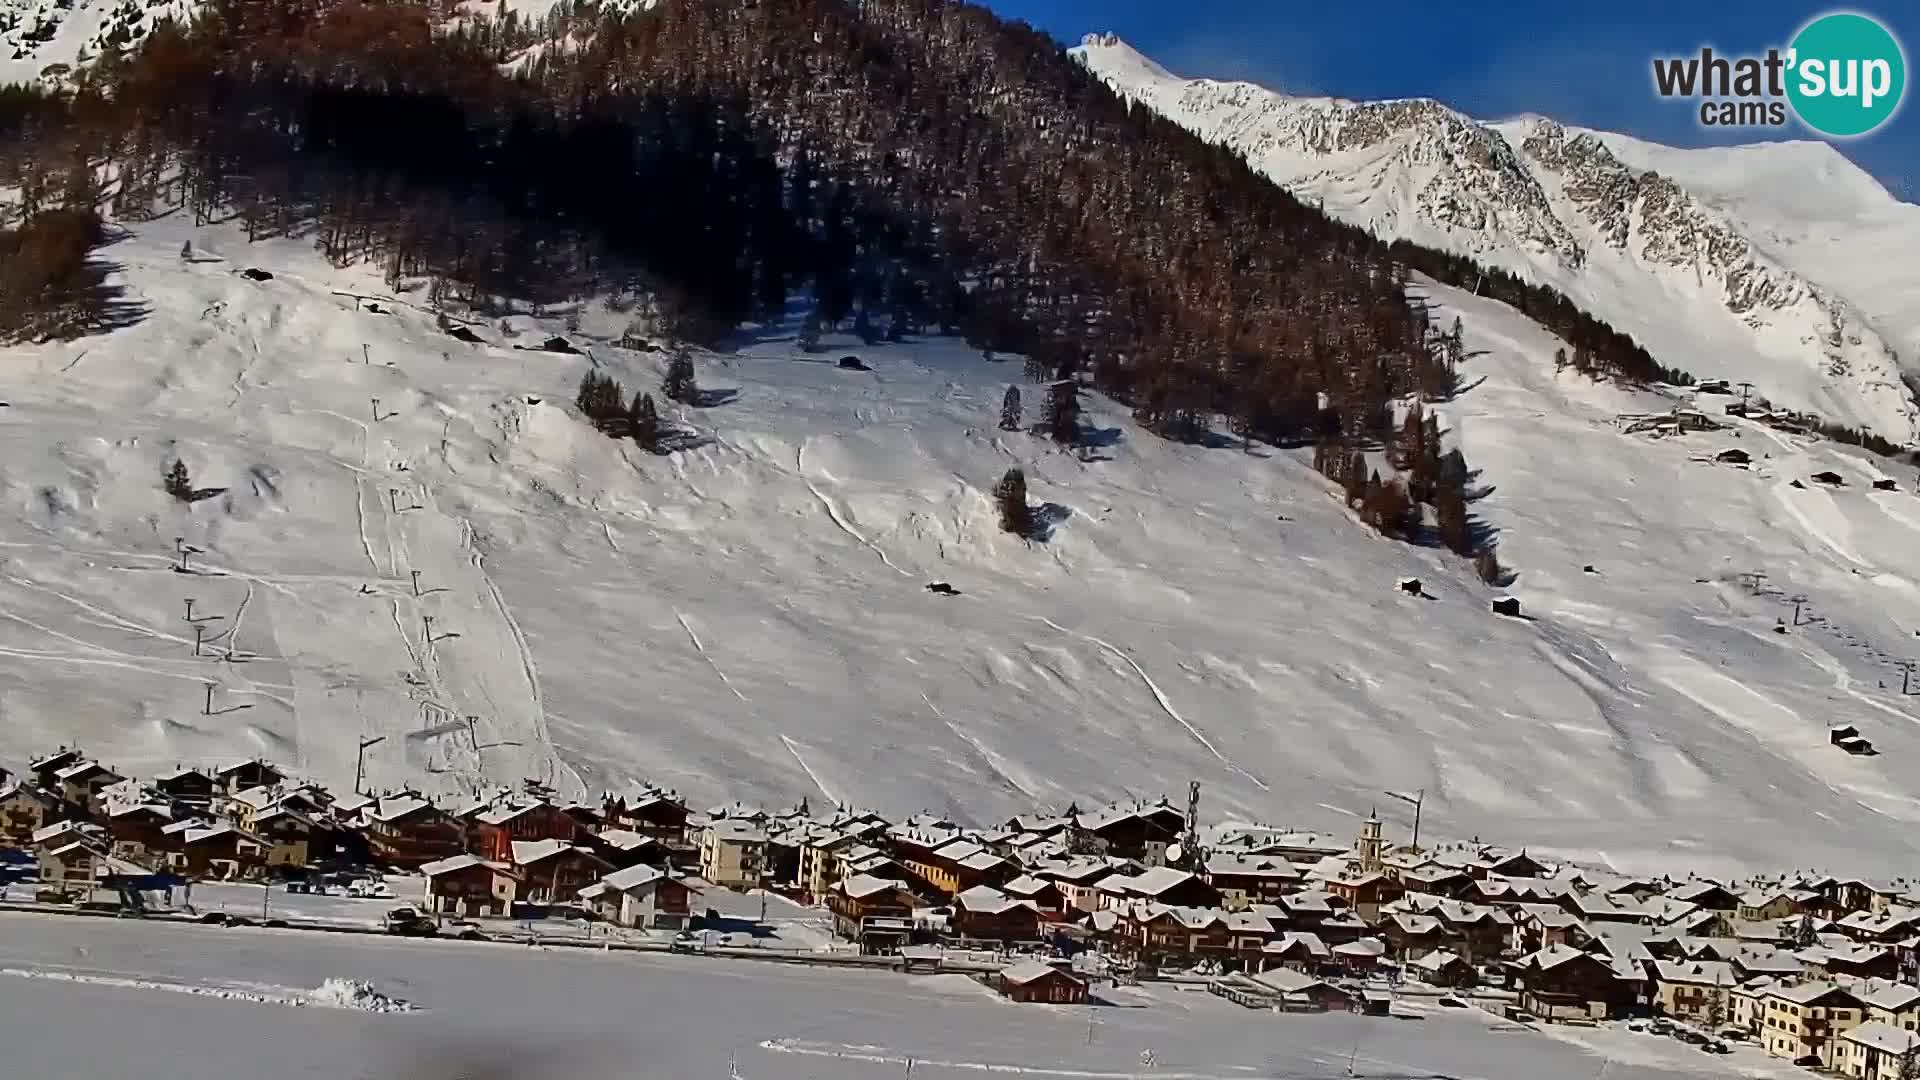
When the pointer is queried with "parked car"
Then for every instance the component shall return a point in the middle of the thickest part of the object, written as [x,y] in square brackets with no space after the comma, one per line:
[407,921]
[370,890]
[463,929]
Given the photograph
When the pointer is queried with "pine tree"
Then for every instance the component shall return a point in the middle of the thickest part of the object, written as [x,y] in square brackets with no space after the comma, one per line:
[1063,412]
[177,481]
[1011,495]
[679,385]
[601,399]
[1487,565]
[1010,410]
[644,423]
[810,332]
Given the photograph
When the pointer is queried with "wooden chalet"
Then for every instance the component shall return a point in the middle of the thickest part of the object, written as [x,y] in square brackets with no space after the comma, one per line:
[469,886]
[407,831]
[242,775]
[498,829]
[190,789]
[1561,984]
[555,870]
[986,913]
[1141,831]
[875,913]
[1037,983]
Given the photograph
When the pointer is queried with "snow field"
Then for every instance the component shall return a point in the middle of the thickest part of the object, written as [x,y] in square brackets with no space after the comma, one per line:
[747,618]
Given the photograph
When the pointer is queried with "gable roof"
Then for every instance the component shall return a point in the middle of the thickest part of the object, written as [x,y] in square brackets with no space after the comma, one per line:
[457,863]
[1032,971]
[1289,981]
[635,878]
[1881,1036]
[528,852]
[861,886]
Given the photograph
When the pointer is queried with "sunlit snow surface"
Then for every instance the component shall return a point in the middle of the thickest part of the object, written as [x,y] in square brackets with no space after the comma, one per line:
[749,618]
[512,1012]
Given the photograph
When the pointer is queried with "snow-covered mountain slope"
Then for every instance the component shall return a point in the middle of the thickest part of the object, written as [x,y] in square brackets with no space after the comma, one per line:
[45,40]
[1707,263]
[749,617]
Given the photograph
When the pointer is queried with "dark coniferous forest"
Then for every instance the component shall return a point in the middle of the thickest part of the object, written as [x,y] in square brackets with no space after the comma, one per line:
[906,166]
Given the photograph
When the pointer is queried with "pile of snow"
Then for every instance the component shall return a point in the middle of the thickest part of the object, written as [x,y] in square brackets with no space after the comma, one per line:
[358,996]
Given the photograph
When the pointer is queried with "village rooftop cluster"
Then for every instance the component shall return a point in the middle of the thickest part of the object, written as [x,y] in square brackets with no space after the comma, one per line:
[1818,970]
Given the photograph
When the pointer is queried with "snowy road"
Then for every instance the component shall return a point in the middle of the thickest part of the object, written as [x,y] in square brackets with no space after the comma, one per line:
[584,1016]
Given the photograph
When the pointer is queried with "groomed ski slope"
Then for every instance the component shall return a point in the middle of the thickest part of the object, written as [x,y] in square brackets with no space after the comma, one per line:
[749,618]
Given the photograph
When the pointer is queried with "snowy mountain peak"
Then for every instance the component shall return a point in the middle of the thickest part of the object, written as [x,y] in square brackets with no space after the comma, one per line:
[1661,243]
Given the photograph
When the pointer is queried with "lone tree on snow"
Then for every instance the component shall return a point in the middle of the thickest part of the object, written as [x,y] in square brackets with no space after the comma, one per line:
[1010,410]
[1011,494]
[1062,419]
[679,385]
[645,424]
[177,481]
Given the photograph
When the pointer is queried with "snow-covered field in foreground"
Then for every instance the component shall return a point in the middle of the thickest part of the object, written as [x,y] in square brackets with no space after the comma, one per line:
[749,618]
[507,1011]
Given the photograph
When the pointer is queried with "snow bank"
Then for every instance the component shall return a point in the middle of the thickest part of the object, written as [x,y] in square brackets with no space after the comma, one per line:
[356,995]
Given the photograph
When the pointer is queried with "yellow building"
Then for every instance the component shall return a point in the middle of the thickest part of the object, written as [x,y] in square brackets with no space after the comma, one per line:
[1698,991]
[1806,1021]
[733,853]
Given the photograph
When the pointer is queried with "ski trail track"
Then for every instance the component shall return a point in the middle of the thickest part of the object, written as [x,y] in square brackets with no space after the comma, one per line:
[704,655]
[1166,706]
[794,749]
[833,511]
[992,760]
[541,728]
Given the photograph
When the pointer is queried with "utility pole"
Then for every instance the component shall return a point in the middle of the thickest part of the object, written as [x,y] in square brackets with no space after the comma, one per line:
[1798,602]
[1906,677]
[363,354]
[416,581]
[360,767]
[189,609]
[198,633]
[208,709]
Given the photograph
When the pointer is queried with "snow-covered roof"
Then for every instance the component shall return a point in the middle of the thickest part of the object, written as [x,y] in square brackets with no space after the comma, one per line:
[624,839]
[1694,972]
[398,808]
[1554,956]
[1364,947]
[85,769]
[1288,981]
[860,886]
[737,831]
[634,878]
[1031,970]
[1299,939]
[1885,994]
[1153,881]
[986,900]
[456,863]
[1239,864]
[1807,993]
[1437,960]
[528,852]
[1878,1035]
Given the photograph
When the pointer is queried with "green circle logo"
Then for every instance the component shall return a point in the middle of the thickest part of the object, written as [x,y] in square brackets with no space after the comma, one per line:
[1848,75]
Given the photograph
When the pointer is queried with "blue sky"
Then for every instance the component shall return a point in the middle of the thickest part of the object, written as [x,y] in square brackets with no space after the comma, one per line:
[1586,64]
